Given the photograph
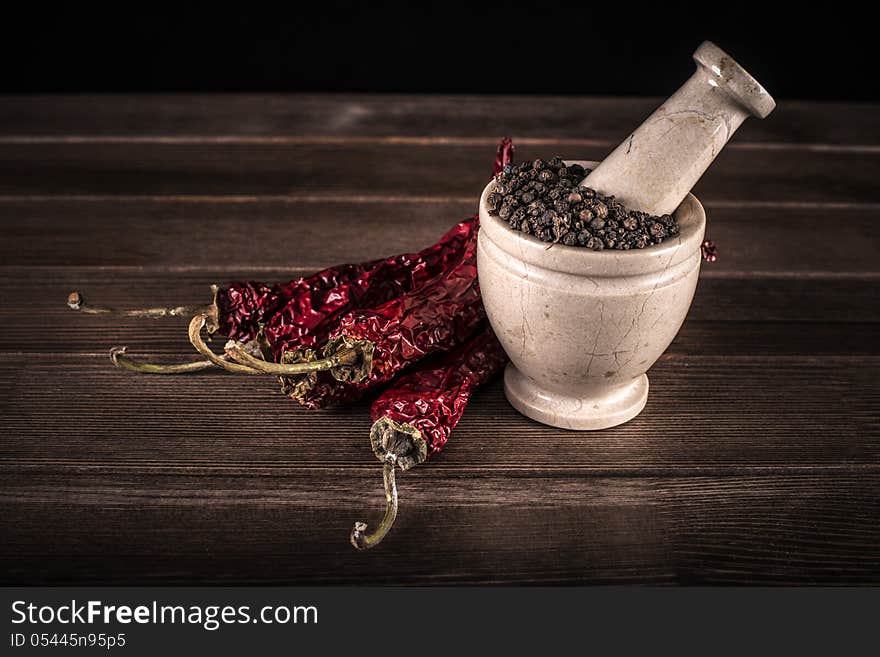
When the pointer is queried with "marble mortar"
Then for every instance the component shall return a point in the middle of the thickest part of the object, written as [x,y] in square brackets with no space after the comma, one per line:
[582,327]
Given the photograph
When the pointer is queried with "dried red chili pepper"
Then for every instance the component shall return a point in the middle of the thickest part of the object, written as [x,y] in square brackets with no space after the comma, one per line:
[369,347]
[414,417]
[305,319]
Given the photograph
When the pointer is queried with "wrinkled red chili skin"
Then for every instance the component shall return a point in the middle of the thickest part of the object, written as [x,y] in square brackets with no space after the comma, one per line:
[243,305]
[307,318]
[296,309]
[436,317]
[433,397]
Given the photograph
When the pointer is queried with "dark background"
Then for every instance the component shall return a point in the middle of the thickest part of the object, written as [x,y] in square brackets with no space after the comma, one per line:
[480,47]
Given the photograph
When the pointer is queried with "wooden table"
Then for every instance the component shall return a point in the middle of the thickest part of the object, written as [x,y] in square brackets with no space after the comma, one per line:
[756,460]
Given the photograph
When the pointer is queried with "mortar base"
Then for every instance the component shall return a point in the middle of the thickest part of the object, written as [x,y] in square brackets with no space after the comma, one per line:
[601,410]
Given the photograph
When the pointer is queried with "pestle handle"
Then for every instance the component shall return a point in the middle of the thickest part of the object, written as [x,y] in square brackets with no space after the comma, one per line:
[656,166]
[723,73]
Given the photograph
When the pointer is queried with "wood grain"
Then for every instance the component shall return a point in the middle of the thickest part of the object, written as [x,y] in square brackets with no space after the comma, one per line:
[389,169]
[756,460]
[790,411]
[526,528]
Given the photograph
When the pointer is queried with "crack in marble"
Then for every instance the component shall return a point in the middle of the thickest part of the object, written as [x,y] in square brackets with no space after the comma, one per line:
[598,333]
[705,116]
[526,328]
[617,357]
[641,312]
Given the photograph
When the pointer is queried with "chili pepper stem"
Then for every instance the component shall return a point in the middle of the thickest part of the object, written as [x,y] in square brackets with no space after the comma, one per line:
[195,337]
[398,439]
[76,301]
[364,541]
[237,353]
[120,360]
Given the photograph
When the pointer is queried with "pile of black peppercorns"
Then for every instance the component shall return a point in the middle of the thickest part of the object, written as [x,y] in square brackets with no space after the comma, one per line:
[543,198]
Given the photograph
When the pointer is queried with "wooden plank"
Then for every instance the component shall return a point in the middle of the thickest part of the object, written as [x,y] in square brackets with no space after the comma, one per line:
[261,234]
[375,170]
[532,528]
[706,414]
[794,124]
[240,235]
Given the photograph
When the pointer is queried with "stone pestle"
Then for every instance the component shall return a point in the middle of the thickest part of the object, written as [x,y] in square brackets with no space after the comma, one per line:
[657,165]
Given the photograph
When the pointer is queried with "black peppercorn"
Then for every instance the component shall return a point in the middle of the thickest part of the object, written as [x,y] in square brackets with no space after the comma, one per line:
[560,227]
[547,176]
[586,192]
[545,235]
[547,218]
